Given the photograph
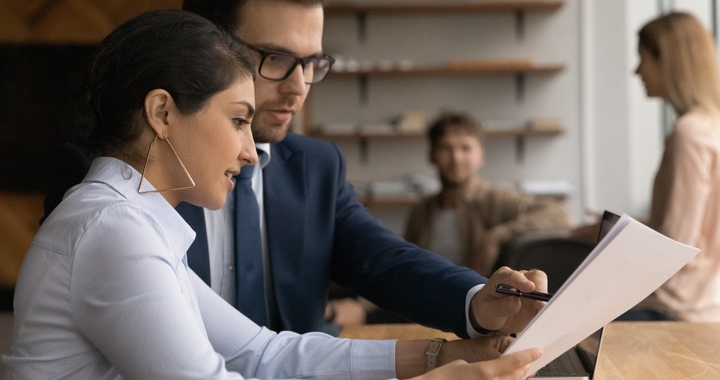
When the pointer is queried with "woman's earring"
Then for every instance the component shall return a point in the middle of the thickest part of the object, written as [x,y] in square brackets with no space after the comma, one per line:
[147,159]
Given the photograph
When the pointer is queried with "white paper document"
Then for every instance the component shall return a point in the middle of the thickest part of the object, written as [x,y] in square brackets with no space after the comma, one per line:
[624,268]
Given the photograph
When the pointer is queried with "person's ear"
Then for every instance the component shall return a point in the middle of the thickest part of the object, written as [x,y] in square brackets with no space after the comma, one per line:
[159,105]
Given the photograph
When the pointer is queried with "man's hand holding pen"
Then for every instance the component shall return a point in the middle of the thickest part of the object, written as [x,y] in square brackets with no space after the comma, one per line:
[510,314]
[509,290]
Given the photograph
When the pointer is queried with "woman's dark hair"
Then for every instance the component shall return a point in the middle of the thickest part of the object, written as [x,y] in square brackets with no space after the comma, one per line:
[177,51]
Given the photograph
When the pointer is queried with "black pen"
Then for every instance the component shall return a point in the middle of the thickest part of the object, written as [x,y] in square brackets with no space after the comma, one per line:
[509,290]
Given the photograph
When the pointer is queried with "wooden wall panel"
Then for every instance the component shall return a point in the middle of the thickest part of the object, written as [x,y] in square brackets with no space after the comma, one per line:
[69,21]
[13,29]
[19,221]
[55,22]
[120,11]
[72,20]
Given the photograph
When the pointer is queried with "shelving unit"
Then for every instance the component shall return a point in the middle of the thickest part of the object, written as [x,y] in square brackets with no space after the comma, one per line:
[389,201]
[518,68]
[329,136]
[382,73]
[405,201]
[363,138]
[362,9]
[474,68]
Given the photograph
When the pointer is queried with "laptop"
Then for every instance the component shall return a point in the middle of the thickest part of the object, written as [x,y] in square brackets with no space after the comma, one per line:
[579,361]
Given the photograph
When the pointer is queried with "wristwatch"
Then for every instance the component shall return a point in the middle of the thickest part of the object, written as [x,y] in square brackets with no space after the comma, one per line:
[432,352]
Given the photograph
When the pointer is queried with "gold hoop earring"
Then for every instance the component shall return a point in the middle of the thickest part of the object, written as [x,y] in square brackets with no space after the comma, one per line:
[147,159]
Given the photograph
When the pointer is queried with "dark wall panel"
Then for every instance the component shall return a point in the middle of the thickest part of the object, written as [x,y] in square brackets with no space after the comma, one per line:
[40,92]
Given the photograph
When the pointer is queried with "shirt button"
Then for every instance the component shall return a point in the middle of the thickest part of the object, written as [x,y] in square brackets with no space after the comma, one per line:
[230,267]
[126,172]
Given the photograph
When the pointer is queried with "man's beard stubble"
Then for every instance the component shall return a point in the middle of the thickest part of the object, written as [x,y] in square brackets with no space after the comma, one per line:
[269,134]
[264,131]
[455,183]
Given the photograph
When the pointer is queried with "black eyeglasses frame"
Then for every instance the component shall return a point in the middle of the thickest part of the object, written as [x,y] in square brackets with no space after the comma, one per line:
[298,61]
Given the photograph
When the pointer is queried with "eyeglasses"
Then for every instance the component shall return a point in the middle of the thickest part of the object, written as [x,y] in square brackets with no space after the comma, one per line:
[278,66]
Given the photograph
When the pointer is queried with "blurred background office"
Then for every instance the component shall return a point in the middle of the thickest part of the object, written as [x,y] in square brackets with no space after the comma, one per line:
[550,81]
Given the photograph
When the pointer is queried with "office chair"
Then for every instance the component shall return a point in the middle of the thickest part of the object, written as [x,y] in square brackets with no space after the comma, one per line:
[557,256]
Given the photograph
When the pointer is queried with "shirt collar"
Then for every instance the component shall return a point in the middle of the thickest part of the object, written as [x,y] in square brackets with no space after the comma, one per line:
[124,179]
[263,150]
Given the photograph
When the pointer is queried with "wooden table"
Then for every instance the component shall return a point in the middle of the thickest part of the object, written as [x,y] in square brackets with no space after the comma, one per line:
[660,350]
[631,350]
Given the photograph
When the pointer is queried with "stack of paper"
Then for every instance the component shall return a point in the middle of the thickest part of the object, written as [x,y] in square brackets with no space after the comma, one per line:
[625,267]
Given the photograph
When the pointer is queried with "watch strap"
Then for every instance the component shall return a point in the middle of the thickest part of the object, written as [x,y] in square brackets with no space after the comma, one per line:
[432,353]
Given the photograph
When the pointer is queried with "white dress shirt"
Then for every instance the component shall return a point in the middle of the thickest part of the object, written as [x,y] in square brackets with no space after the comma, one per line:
[105,293]
[221,242]
[220,226]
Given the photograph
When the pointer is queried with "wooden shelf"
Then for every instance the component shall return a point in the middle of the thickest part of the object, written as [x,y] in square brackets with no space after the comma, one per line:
[361,136]
[405,201]
[329,136]
[478,68]
[448,7]
[389,201]
[523,133]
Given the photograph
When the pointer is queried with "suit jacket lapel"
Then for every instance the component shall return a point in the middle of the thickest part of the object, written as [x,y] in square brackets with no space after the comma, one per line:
[284,197]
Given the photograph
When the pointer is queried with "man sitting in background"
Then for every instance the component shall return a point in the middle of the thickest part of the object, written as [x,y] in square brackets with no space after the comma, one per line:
[469,219]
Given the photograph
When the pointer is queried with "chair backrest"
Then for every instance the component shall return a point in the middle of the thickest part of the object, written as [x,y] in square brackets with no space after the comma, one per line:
[558,257]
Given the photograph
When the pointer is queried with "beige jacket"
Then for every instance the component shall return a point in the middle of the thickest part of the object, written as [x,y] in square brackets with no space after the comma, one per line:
[485,208]
[686,208]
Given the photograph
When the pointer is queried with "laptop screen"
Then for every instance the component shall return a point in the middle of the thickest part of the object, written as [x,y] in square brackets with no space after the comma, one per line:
[588,349]
[608,221]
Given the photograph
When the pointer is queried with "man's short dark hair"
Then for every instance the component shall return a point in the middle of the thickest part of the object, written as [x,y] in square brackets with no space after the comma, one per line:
[456,122]
[225,12]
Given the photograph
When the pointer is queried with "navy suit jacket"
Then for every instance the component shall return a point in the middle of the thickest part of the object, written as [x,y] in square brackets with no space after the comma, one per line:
[318,231]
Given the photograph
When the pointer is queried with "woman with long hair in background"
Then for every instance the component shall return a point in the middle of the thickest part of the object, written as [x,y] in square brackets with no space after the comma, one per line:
[678,63]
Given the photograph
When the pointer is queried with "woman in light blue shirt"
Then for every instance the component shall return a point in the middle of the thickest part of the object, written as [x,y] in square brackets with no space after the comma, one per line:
[105,291]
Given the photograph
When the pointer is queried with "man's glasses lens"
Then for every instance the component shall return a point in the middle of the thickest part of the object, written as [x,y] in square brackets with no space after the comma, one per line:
[278,66]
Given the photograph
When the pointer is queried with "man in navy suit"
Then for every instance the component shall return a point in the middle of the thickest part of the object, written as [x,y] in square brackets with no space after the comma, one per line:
[312,229]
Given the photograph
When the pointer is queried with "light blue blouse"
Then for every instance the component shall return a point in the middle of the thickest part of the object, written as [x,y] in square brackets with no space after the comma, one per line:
[105,293]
